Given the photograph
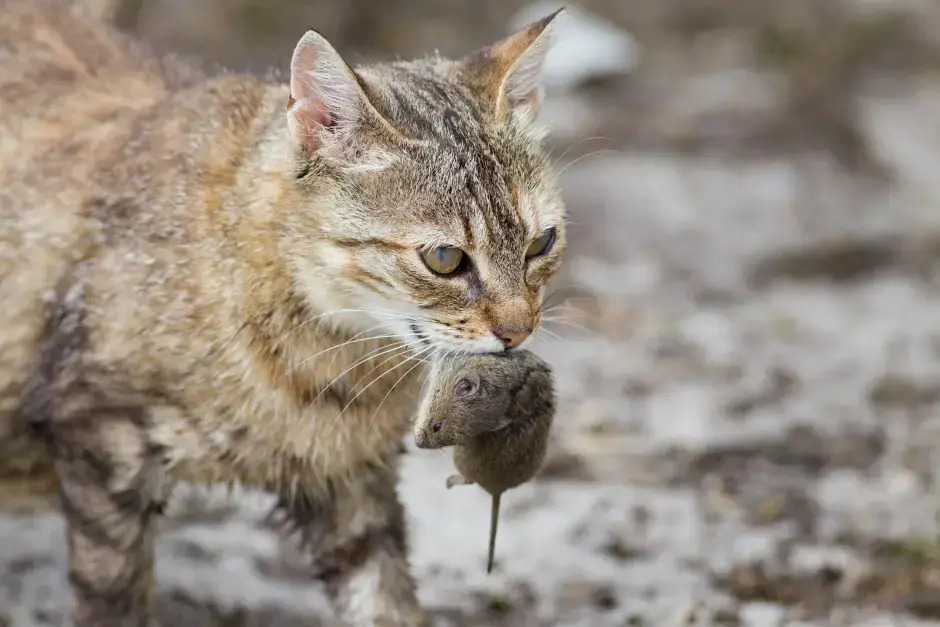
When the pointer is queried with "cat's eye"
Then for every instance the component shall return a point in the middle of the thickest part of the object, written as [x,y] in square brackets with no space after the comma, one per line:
[542,245]
[443,259]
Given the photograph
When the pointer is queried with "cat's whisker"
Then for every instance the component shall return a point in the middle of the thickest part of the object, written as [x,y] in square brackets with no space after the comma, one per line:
[296,365]
[400,379]
[563,313]
[344,344]
[575,325]
[376,312]
[375,367]
[375,354]
[425,377]
[379,352]
[224,345]
[353,340]
[564,305]
[585,156]
[560,318]
[575,145]
[336,354]
[382,375]
[384,350]
[572,299]
[558,298]
[552,334]
[564,308]
[308,321]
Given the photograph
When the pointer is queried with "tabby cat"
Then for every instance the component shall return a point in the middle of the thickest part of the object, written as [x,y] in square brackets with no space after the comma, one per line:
[226,279]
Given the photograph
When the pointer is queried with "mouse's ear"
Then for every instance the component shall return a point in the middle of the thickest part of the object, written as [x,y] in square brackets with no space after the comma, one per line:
[467,386]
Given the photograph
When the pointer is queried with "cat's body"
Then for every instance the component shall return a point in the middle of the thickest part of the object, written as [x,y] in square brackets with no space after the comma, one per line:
[181,257]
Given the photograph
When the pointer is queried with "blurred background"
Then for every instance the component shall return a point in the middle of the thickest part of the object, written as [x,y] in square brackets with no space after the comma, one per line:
[746,338]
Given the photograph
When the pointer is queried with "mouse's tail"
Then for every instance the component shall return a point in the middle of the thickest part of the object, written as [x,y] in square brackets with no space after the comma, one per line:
[494,522]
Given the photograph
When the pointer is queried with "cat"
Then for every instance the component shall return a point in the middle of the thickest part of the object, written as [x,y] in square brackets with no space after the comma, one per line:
[228,279]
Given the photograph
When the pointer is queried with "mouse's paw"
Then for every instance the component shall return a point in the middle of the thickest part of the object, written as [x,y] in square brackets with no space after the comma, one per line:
[457,480]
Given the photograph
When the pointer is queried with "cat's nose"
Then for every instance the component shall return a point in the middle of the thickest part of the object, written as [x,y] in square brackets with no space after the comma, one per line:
[512,338]
[512,319]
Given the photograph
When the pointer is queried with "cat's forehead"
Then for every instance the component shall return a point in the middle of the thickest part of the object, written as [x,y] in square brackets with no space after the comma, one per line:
[462,178]
[484,196]
[429,102]
[471,166]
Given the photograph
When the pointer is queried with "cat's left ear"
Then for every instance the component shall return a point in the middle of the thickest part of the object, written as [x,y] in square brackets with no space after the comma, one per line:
[508,74]
[327,101]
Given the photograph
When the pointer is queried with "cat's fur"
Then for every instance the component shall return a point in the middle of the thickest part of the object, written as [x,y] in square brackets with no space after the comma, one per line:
[180,257]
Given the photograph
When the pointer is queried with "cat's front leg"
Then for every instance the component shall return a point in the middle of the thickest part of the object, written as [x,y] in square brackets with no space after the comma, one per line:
[107,477]
[355,532]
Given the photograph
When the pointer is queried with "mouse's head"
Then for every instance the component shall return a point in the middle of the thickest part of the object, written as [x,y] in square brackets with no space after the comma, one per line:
[470,394]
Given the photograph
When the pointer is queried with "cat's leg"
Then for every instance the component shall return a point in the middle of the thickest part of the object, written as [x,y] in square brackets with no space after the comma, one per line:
[111,495]
[457,480]
[355,532]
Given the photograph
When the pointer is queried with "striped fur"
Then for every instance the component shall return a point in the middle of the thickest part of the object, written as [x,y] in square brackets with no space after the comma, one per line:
[190,292]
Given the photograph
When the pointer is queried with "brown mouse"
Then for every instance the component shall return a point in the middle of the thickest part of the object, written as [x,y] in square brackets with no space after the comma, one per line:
[496,410]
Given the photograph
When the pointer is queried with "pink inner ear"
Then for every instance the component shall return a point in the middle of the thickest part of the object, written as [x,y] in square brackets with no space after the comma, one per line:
[308,107]
[310,116]
[302,68]
[325,91]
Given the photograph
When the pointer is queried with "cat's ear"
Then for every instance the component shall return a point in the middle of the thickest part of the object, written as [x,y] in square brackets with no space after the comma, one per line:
[326,99]
[509,73]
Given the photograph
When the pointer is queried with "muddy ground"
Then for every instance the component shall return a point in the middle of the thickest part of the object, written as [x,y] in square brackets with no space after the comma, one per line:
[747,342]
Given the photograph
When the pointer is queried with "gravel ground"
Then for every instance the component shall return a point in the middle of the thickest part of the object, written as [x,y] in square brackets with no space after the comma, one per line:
[748,357]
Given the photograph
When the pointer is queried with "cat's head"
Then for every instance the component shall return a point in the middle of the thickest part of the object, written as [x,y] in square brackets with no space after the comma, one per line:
[427,201]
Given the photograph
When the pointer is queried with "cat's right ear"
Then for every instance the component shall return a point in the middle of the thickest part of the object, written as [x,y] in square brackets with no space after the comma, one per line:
[326,99]
[508,74]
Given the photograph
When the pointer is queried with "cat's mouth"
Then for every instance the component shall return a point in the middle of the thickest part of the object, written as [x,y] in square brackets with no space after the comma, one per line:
[447,341]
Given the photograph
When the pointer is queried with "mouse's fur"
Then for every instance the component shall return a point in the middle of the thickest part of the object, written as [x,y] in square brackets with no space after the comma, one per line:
[496,410]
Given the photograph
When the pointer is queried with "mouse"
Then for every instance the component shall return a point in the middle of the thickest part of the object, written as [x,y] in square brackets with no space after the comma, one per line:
[496,410]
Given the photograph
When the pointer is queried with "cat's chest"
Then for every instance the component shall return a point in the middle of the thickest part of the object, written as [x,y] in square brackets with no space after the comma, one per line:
[263,435]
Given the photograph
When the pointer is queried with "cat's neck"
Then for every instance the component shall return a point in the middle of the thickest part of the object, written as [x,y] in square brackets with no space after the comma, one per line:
[290,312]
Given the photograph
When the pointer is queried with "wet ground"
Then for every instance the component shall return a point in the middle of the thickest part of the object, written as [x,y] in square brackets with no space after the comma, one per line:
[747,346]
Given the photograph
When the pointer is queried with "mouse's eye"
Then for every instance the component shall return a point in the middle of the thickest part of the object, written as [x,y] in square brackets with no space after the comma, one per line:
[437,426]
[466,387]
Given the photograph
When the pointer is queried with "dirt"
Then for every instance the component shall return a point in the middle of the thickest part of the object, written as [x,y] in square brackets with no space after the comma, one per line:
[746,342]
